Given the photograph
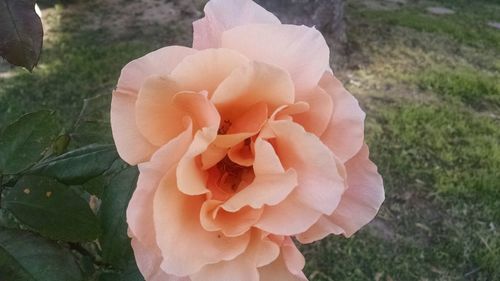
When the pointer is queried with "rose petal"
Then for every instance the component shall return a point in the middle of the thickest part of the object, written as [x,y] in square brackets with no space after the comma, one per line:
[345,133]
[222,15]
[140,209]
[268,189]
[241,154]
[228,141]
[185,246]
[131,145]
[156,116]
[271,184]
[277,219]
[287,267]
[319,115]
[320,182]
[191,178]
[300,50]
[148,261]
[206,69]
[359,205]
[251,121]
[266,159]
[231,224]
[159,62]
[252,84]
[197,105]
[288,110]
[212,156]
[260,252]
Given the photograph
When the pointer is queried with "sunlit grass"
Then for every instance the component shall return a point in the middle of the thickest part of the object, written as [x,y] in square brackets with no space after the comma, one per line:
[464,28]
[473,87]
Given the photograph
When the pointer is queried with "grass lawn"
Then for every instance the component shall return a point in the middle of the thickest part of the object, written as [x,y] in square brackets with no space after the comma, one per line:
[430,85]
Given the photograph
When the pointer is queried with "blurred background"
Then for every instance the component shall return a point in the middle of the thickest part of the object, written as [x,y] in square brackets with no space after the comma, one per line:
[426,72]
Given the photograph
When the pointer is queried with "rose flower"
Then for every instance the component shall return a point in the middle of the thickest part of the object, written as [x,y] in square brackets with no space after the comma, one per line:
[243,142]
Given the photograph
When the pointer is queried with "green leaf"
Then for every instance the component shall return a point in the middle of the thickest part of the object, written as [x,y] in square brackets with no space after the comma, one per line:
[115,243]
[51,209]
[25,256]
[130,273]
[78,166]
[7,220]
[21,32]
[23,142]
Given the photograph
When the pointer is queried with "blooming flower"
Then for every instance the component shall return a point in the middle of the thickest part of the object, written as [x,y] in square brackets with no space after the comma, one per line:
[243,142]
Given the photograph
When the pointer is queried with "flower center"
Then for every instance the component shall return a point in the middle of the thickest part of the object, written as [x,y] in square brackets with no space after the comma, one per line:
[227,178]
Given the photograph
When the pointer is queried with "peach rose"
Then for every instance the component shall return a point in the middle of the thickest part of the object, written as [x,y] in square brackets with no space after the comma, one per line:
[243,142]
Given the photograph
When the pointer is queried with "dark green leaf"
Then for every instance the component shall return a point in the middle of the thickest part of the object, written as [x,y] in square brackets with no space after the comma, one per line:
[78,166]
[25,256]
[114,241]
[130,273]
[51,209]
[7,220]
[21,32]
[23,142]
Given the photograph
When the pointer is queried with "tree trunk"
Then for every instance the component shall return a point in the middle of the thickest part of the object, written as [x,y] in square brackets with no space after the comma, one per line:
[325,15]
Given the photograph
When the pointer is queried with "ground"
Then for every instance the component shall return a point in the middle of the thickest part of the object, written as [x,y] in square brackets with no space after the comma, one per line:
[428,78]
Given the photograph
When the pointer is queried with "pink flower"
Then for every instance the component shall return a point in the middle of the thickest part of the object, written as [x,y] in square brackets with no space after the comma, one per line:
[243,142]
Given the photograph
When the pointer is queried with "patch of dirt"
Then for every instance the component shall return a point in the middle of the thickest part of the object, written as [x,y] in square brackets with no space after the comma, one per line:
[383,5]
[5,68]
[494,24]
[440,11]
[380,229]
[125,19]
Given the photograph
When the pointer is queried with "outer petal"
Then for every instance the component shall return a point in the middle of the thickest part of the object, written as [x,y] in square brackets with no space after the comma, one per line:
[261,251]
[359,205]
[300,50]
[159,62]
[222,15]
[287,267]
[140,208]
[148,261]
[156,116]
[345,133]
[320,181]
[131,145]
[185,246]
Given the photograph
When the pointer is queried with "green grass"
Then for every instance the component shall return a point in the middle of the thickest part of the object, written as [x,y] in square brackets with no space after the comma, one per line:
[464,28]
[454,151]
[469,85]
[453,156]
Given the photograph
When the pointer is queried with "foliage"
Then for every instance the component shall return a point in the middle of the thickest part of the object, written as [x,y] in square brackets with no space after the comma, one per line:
[21,33]
[51,227]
